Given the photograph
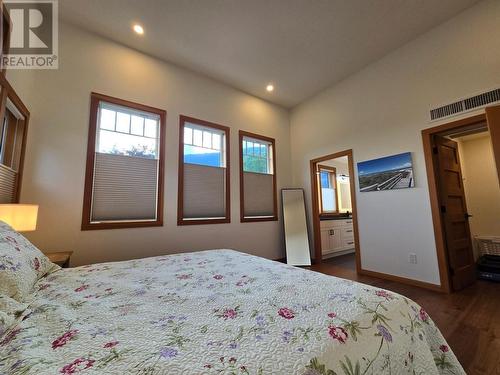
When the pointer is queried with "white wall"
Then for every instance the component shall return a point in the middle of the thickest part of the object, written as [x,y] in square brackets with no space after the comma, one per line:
[57,141]
[340,164]
[481,185]
[381,111]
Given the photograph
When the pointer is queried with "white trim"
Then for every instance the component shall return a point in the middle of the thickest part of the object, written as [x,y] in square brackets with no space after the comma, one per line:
[11,107]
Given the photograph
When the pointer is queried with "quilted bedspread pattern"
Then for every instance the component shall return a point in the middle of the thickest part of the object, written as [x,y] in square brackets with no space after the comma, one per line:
[218,312]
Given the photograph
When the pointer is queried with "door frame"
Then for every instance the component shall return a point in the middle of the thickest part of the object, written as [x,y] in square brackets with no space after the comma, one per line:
[427,135]
[318,258]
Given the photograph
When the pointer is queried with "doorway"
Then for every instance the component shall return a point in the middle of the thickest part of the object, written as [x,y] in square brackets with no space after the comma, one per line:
[443,146]
[335,223]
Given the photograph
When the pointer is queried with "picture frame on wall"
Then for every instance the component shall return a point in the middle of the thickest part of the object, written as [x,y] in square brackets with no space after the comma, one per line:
[387,173]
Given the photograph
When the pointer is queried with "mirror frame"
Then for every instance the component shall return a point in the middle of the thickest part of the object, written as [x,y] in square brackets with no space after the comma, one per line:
[308,262]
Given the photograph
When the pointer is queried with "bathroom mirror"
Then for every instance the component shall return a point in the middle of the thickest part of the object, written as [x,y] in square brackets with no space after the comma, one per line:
[295,227]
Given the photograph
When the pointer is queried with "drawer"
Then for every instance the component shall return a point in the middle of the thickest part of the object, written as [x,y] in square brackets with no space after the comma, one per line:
[331,224]
[347,232]
[347,242]
[324,224]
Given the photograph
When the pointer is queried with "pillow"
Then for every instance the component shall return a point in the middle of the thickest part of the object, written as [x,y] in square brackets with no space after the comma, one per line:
[10,312]
[21,264]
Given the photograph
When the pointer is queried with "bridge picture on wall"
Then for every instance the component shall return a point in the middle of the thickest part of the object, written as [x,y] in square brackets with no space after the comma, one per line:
[387,173]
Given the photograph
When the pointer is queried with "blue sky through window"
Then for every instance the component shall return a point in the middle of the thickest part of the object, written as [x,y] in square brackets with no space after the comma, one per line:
[202,156]
[203,145]
[325,179]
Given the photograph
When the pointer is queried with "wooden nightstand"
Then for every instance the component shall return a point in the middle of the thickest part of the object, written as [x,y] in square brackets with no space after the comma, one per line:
[60,258]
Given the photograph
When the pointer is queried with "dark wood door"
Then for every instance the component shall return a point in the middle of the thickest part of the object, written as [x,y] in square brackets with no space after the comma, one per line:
[493,119]
[454,213]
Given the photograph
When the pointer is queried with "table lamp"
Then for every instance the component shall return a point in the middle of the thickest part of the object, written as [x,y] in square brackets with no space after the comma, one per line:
[21,217]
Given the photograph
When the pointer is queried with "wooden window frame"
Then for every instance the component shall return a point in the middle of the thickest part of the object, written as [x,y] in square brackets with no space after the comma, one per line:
[333,171]
[180,192]
[4,20]
[274,217]
[8,92]
[87,224]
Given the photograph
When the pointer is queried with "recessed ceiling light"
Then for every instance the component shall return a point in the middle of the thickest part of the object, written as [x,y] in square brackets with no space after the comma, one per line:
[138,29]
[270,87]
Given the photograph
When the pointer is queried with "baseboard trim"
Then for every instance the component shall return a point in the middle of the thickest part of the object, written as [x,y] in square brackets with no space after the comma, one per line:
[403,280]
[386,276]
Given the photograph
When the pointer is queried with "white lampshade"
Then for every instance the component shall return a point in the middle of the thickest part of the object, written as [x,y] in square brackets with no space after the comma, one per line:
[21,217]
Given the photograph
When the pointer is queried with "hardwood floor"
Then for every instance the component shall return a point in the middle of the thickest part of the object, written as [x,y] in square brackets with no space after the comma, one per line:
[469,319]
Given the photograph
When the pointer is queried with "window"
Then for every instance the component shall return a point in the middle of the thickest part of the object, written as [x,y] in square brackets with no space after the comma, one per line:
[204,184]
[13,129]
[344,193]
[334,191]
[257,178]
[328,190]
[125,159]
[6,25]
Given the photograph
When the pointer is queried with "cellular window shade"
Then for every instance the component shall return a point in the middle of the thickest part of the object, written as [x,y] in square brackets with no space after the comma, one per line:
[8,178]
[328,199]
[258,190]
[125,188]
[204,194]
[345,196]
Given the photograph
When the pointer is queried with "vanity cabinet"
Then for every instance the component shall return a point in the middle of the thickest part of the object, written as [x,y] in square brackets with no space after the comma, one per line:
[337,236]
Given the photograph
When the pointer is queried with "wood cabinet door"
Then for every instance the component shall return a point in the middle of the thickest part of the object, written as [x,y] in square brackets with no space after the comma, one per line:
[325,241]
[335,239]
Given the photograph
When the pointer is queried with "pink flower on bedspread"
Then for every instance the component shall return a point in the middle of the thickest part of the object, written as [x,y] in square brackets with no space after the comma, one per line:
[77,365]
[384,294]
[218,277]
[229,314]
[332,315]
[184,277]
[63,340]
[286,313]
[337,333]
[424,317]
[36,264]
[81,288]
[10,336]
[444,348]
[110,344]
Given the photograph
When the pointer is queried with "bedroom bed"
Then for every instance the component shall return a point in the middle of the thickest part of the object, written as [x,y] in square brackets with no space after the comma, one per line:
[209,312]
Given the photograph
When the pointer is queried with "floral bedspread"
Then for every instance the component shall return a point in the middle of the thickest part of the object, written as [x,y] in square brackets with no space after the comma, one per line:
[218,312]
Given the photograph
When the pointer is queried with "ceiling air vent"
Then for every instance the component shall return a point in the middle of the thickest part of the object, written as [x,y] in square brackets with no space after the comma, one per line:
[468,104]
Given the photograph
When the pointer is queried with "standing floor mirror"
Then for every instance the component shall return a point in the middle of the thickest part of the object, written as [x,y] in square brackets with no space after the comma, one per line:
[295,227]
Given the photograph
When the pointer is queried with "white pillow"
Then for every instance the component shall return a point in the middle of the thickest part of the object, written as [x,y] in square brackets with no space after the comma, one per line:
[21,264]
[10,311]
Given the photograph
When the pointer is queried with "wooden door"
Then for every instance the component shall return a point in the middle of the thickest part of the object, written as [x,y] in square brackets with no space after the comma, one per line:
[493,119]
[454,213]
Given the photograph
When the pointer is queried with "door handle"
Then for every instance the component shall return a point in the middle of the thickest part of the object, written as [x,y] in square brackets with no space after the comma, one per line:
[467,215]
